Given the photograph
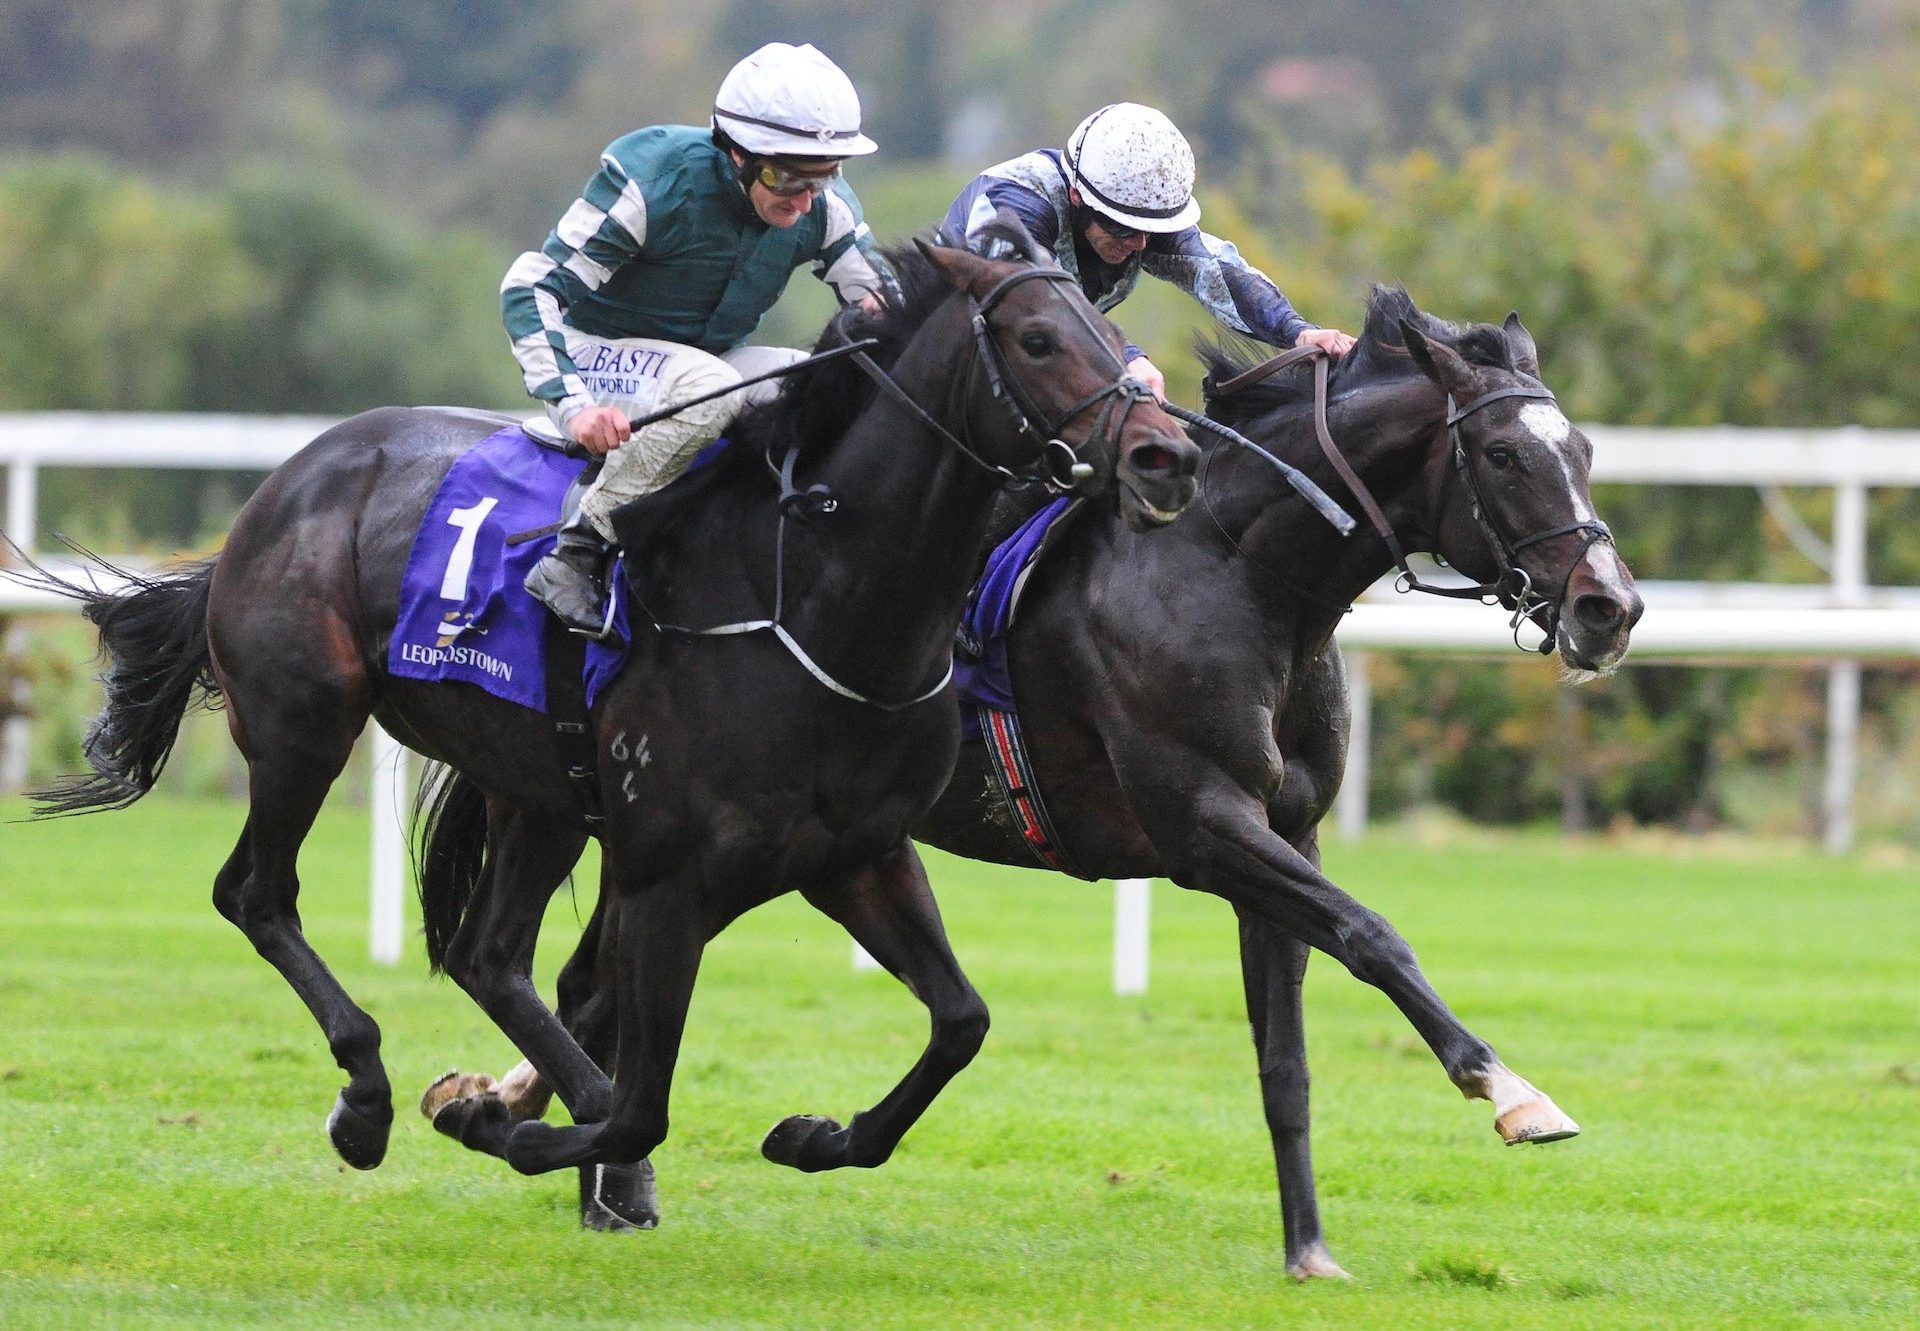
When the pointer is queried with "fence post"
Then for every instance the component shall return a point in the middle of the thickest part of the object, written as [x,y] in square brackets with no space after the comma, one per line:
[1350,805]
[1132,899]
[16,734]
[1843,677]
[386,796]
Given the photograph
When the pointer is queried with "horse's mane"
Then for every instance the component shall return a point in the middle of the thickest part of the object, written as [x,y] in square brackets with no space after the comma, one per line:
[817,404]
[1379,356]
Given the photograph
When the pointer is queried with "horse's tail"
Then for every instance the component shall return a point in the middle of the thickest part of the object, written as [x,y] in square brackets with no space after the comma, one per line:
[449,854]
[153,631]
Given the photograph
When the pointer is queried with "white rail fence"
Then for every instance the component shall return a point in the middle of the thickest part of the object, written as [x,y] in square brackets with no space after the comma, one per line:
[1843,622]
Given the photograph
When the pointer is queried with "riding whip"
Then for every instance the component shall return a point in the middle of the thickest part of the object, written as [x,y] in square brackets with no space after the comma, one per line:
[818,358]
[1341,520]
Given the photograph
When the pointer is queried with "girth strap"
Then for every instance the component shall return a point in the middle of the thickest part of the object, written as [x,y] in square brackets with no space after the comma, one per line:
[1013,773]
[565,653]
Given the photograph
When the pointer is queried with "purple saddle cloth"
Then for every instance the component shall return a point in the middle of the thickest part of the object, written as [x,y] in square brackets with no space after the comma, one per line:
[980,674]
[464,615]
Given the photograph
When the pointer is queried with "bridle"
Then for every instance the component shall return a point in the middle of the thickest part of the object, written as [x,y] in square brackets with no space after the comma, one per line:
[1054,463]
[1513,588]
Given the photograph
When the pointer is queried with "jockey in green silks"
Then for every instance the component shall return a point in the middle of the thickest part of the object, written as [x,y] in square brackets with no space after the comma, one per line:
[645,290]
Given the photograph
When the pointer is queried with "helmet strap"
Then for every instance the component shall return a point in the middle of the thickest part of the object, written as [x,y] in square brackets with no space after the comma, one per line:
[1080,216]
[746,168]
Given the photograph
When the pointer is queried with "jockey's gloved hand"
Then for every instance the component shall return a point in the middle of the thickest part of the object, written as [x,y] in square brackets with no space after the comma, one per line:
[600,430]
[1149,374]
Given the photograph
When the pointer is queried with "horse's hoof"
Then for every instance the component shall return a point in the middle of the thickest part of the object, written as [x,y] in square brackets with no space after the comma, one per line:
[1316,1263]
[617,1198]
[806,1142]
[1536,1120]
[526,1094]
[359,1136]
[477,1122]
[453,1085]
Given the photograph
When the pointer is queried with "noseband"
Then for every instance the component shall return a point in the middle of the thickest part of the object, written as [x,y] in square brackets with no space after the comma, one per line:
[1054,463]
[1513,588]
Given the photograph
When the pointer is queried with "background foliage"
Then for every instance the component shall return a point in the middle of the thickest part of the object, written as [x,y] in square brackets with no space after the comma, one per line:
[1707,212]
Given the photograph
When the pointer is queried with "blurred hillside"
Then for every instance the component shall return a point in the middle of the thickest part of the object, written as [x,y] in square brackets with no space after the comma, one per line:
[1707,211]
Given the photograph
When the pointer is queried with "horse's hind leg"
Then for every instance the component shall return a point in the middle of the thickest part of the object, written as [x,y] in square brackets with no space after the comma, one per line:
[290,769]
[1272,966]
[889,909]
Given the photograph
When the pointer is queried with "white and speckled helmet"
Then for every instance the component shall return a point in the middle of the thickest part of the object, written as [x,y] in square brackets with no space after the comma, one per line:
[1130,163]
[790,101]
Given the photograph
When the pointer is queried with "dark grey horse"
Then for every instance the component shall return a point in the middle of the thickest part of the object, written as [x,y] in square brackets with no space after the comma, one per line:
[1185,703]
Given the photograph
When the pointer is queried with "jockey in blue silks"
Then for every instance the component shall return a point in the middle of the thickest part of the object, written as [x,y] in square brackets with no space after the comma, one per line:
[1117,201]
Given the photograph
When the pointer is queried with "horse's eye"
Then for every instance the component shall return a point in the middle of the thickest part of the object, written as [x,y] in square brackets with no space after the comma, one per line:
[1036,344]
[1500,457]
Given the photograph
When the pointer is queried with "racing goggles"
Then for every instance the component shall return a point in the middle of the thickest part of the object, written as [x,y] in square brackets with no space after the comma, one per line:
[785,182]
[1118,230]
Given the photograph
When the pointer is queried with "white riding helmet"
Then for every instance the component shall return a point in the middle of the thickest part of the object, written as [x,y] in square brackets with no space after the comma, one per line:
[790,101]
[1131,164]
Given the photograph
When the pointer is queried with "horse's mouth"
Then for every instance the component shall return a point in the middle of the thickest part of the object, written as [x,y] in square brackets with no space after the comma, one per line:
[1142,513]
[1583,663]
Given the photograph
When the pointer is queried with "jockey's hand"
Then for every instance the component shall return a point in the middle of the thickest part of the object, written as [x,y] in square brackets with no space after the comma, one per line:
[872,303]
[1330,340]
[600,430]
[1149,374]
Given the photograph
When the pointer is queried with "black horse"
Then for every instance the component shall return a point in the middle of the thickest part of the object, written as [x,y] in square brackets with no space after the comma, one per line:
[1185,703]
[728,773]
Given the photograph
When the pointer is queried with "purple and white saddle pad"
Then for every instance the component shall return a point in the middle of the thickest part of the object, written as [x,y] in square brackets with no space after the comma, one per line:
[463,613]
[980,647]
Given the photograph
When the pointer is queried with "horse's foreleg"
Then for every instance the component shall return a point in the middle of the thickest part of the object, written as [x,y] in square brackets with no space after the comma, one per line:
[1213,836]
[663,929]
[889,909]
[612,1197]
[491,957]
[1272,967]
[586,1006]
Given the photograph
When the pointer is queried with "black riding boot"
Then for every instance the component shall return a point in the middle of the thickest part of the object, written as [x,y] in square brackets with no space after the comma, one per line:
[569,580]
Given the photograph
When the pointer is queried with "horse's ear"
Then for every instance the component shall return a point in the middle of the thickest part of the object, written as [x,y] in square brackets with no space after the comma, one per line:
[965,269]
[1526,357]
[1438,361]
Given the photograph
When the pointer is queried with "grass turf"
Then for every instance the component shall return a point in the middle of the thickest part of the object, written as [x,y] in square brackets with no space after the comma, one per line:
[1735,1030]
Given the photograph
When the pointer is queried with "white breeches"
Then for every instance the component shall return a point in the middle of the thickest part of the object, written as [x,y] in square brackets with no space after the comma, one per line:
[644,374]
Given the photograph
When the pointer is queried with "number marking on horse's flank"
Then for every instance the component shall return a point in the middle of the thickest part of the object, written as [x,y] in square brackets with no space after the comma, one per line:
[639,755]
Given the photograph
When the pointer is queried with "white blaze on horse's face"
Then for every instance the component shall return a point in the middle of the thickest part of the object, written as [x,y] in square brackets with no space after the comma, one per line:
[1545,422]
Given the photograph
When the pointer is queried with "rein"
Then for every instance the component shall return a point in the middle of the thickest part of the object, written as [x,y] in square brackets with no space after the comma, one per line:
[1054,464]
[1513,588]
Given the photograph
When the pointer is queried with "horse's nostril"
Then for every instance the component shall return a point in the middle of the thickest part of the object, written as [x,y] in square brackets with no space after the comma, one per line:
[1600,612]
[1151,458]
